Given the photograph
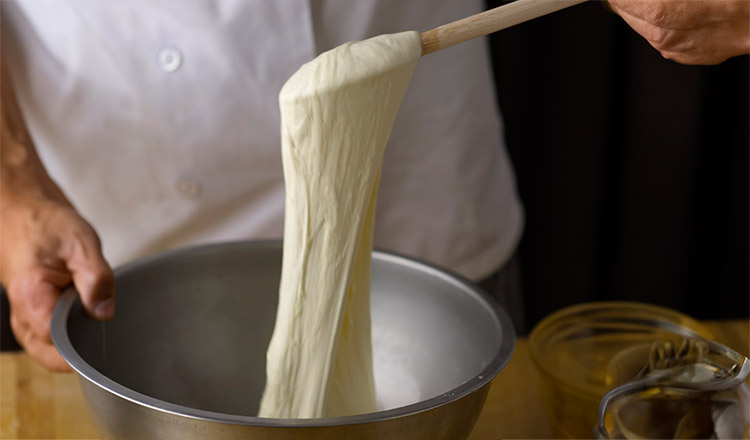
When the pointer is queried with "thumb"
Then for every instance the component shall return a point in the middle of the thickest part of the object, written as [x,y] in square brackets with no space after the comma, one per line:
[93,279]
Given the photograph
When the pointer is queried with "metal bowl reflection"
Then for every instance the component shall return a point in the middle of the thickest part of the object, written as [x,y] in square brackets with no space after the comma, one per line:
[184,356]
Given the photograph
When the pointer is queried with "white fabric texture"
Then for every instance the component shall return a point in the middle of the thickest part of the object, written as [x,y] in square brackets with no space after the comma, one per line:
[159,120]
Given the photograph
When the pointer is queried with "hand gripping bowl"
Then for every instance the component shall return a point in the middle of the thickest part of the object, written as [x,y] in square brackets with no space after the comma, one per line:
[184,357]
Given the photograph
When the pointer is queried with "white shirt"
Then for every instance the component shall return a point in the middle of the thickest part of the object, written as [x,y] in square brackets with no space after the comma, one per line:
[159,119]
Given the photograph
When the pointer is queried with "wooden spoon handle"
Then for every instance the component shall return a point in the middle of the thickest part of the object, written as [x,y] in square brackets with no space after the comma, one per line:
[490,21]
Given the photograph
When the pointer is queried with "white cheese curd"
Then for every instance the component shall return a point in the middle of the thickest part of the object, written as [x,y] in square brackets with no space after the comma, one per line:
[336,116]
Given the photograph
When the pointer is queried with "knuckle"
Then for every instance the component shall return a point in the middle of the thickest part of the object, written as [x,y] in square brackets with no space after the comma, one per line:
[18,325]
[669,55]
[658,14]
[96,278]
[32,302]
[95,286]
[655,12]
[80,240]
[659,38]
[21,330]
[26,284]
[39,321]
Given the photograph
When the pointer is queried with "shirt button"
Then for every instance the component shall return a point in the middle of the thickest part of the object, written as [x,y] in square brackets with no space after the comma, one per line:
[169,58]
[189,188]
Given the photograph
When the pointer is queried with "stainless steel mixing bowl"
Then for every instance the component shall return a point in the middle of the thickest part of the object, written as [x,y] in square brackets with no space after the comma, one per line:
[184,357]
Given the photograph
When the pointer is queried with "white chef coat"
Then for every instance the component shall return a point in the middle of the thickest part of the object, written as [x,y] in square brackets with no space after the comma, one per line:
[159,119]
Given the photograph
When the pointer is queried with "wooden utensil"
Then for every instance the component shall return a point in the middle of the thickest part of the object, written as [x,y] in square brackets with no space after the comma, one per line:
[490,21]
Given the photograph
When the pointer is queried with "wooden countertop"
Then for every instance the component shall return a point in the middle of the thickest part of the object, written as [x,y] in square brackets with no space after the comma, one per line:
[37,404]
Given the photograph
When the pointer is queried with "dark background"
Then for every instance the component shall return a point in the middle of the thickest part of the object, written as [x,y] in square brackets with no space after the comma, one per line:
[633,169]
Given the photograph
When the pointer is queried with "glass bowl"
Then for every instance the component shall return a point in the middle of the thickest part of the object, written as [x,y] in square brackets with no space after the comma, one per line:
[583,351]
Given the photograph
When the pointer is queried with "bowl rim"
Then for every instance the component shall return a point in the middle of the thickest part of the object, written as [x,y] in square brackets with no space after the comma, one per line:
[61,340]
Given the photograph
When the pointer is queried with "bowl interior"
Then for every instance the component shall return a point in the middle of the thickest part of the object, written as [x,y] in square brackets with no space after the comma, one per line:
[192,328]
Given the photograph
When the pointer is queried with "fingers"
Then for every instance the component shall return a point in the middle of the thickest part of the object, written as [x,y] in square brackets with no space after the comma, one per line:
[676,45]
[666,14]
[655,35]
[47,355]
[38,347]
[46,246]
[95,283]
[666,41]
[92,275]
[33,300]
[689,32]
[33,297]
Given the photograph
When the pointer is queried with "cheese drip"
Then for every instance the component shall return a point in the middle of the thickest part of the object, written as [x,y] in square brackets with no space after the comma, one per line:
[337,112]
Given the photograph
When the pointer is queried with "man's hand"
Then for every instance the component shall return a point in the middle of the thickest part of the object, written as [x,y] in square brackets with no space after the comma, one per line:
[45,245]
[690,31]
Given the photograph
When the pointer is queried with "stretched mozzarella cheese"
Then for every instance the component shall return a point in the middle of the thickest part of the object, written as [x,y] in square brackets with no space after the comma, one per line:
[336,116]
